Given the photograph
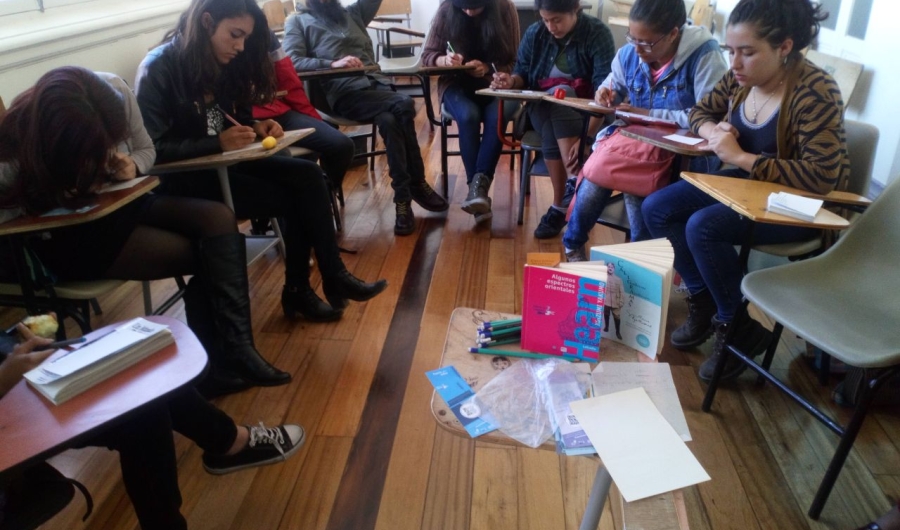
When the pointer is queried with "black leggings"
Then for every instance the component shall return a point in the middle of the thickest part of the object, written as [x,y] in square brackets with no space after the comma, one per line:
[279,186]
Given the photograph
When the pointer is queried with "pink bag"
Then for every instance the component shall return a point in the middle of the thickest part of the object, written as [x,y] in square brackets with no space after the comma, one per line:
[628,165]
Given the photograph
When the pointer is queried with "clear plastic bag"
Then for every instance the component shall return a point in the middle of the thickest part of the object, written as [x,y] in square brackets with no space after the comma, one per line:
[520,400]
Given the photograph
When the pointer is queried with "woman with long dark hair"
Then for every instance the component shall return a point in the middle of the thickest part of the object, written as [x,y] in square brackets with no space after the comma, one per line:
[57,145]
[484,34]
[215,65]
[776,117]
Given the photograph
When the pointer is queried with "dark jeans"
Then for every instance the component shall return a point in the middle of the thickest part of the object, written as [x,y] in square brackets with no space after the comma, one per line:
[554,121]
[590,200]
[703,232]
[394,114]
[480,154]
[147,453]
[278,186]
[334,147]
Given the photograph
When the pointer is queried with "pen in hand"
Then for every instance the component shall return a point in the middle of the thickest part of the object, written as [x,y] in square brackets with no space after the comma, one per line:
[228,116]
[59,344]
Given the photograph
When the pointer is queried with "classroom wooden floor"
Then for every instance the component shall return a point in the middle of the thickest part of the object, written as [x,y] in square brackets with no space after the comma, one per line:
[375,459]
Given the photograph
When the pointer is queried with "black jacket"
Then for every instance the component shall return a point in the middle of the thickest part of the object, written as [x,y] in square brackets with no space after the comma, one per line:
[174,112]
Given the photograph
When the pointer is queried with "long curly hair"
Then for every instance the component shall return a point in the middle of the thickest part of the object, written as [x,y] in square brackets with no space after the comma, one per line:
[250,77]
[60,134]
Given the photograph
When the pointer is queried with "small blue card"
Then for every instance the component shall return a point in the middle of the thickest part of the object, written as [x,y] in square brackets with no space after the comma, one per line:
[461,400]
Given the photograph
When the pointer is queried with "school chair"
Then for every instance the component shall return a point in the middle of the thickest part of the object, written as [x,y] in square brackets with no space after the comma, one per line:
[846,73]
[446,122]
[843,302]
[275,15]
[862,138]
[391,16]
[316,95]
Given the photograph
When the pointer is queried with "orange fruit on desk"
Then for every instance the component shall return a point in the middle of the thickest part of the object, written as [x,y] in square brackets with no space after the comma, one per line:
[269,142]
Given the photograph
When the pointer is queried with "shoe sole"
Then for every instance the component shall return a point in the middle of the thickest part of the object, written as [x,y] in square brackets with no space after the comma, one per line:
[546,235]
[476,206]
[431,208]
[273,460]
[292,314]
[482,217]
[404,232]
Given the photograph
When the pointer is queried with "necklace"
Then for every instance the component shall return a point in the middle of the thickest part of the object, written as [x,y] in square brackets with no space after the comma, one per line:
[761,107]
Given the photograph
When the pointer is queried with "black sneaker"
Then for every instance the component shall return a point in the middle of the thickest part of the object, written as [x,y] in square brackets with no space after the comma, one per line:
[427,198]
[551,224]
[477,201]
[405,223]
[698,326]
[266,446]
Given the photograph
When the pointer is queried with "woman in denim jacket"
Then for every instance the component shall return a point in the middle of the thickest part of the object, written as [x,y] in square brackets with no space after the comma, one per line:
[663,71]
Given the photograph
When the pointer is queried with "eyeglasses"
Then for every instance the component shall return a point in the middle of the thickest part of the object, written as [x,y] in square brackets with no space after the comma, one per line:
[644,46]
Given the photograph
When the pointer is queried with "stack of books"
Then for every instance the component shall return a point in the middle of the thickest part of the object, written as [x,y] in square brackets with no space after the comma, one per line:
[68,373]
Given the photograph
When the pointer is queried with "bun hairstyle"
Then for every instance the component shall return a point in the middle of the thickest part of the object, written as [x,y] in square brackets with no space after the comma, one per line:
[558,6]
[778,20]
[661,16]
[249,77]
[60,133]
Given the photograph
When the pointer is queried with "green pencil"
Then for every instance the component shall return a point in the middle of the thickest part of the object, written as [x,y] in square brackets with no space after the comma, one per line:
[508,353]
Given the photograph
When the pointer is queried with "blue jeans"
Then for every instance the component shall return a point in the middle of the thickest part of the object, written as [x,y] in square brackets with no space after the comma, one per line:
[703,233]
[590,200]
[479,154]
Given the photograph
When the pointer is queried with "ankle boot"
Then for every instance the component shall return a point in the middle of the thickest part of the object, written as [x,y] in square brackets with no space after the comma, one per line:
[751,339]
[223,272]
[698,327]
[306,302]
[343,285]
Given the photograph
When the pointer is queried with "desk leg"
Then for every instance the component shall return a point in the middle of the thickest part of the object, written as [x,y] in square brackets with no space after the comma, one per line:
[17,244]
[225,186]
[599,492]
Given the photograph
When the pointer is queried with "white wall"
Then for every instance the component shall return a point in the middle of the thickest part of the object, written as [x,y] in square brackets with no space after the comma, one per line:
[874,99]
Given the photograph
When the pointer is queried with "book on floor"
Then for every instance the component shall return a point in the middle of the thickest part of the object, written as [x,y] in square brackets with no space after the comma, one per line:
[637,292]
[562,309]
[66,375]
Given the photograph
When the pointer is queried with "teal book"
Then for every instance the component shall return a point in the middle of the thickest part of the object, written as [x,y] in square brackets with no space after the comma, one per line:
[638,285]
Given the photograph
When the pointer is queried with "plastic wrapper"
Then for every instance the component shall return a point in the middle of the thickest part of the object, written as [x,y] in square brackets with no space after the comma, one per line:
[520,401]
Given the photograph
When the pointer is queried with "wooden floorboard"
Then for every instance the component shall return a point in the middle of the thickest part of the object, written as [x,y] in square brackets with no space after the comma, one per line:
[375,458]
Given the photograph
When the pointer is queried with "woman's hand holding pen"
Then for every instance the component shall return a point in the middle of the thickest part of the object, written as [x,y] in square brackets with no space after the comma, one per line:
[22,359]
[122,167]
[451,59]
[502,81]
[604,96]
[236,137]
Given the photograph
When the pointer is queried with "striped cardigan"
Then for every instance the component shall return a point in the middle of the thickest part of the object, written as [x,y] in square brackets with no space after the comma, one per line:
[812,149]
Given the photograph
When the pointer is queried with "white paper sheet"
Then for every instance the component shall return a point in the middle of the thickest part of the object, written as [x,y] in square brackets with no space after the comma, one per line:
[123,185]
[683,139]
[655,378]
[641,451]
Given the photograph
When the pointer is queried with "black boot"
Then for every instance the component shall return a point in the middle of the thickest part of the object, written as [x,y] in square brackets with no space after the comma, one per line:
[306,302]
[698,328]
[751,338]
[618,321]
[223,272]
[217,382]
[343,285]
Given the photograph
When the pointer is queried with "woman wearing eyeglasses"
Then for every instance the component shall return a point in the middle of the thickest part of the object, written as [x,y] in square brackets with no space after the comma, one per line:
[665,68]
[570,50]
[776,117]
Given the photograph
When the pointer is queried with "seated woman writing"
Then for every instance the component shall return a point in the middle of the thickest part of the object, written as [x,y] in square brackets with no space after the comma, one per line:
[209,72]
[665,68]
[776,117]
[570,50]
[146,447]
[485,35]
[58,145]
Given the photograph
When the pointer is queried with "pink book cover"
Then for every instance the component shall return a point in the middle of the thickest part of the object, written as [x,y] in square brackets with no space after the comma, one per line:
[562,313]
